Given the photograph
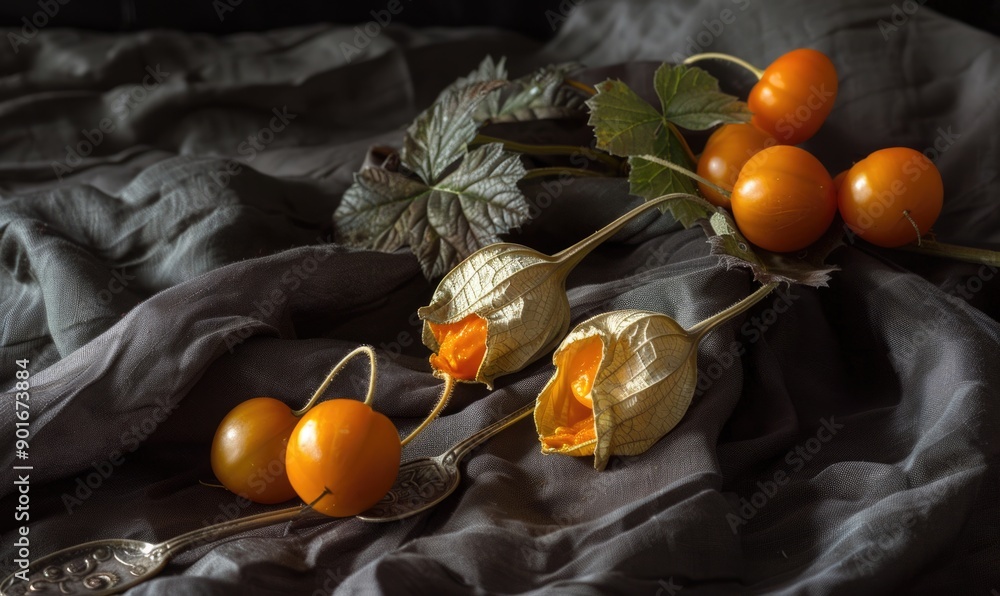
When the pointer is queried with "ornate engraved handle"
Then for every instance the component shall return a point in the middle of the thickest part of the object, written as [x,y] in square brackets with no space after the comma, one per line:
[224,529]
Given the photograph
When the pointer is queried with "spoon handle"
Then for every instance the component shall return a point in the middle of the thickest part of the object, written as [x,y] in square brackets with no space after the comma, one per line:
[207,534]
[462,448]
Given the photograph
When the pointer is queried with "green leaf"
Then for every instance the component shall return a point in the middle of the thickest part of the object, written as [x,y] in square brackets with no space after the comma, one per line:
[487,71]
[649,180]
[537,96]
[808,267]
[439,135]
[370,213]
[690,97]
[441,223]
[624,123]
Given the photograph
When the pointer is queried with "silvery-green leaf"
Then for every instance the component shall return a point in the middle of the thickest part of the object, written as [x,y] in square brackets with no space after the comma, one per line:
[439,135]
[371,213]
[541,94]
[521,294]
[690,97]
[487,71]
[443,223]
[465,211]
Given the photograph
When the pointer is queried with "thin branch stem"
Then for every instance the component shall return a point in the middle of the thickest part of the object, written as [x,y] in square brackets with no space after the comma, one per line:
[531,149]
[916,228]
[580,86]
[569,257]
[449,387]
[576,172]
[934,248]
[700,329]
[684,143]
[686,172]
[373,367]
[720,56]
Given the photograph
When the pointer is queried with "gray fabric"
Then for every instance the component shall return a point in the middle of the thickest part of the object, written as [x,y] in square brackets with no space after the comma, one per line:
[849,448]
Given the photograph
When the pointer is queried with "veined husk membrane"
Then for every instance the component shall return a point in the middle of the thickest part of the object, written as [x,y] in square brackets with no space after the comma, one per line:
[520,292]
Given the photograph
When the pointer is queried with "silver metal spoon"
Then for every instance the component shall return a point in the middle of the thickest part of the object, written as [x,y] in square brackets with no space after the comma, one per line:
[111,566]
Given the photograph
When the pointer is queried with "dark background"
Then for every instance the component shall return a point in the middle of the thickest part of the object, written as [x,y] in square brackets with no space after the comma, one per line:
[523,16]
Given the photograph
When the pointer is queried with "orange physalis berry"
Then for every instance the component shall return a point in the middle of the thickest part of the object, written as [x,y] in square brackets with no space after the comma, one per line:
[461,347]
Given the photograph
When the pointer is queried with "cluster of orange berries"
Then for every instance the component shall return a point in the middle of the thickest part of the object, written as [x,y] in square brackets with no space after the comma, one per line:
[783,198]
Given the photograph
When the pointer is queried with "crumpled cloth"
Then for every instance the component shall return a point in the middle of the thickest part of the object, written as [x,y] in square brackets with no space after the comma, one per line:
[166,252]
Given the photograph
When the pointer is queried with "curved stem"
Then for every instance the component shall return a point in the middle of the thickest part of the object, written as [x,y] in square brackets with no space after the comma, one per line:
[715,320]
[916,228]
[684,143]
[687,172]
[577,172]
[580,86]
[569,257]
[339,367]
[449,386]
[720,56]
[531,149]
[934,248]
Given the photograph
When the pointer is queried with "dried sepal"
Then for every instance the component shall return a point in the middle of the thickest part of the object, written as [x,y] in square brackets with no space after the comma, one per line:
[518,291]
[521,295]
[807,267]
[641,388]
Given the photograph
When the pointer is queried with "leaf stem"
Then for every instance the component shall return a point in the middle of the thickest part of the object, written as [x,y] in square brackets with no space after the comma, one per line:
[574,254]
[981,256]
[578,172]
[700,329]
[531,149]
[684,143]
[373,366]
[720,56]
[686,172]
[580,86]
[449,387]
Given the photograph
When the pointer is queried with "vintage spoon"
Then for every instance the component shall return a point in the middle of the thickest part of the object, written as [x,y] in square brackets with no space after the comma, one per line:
[111,566]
